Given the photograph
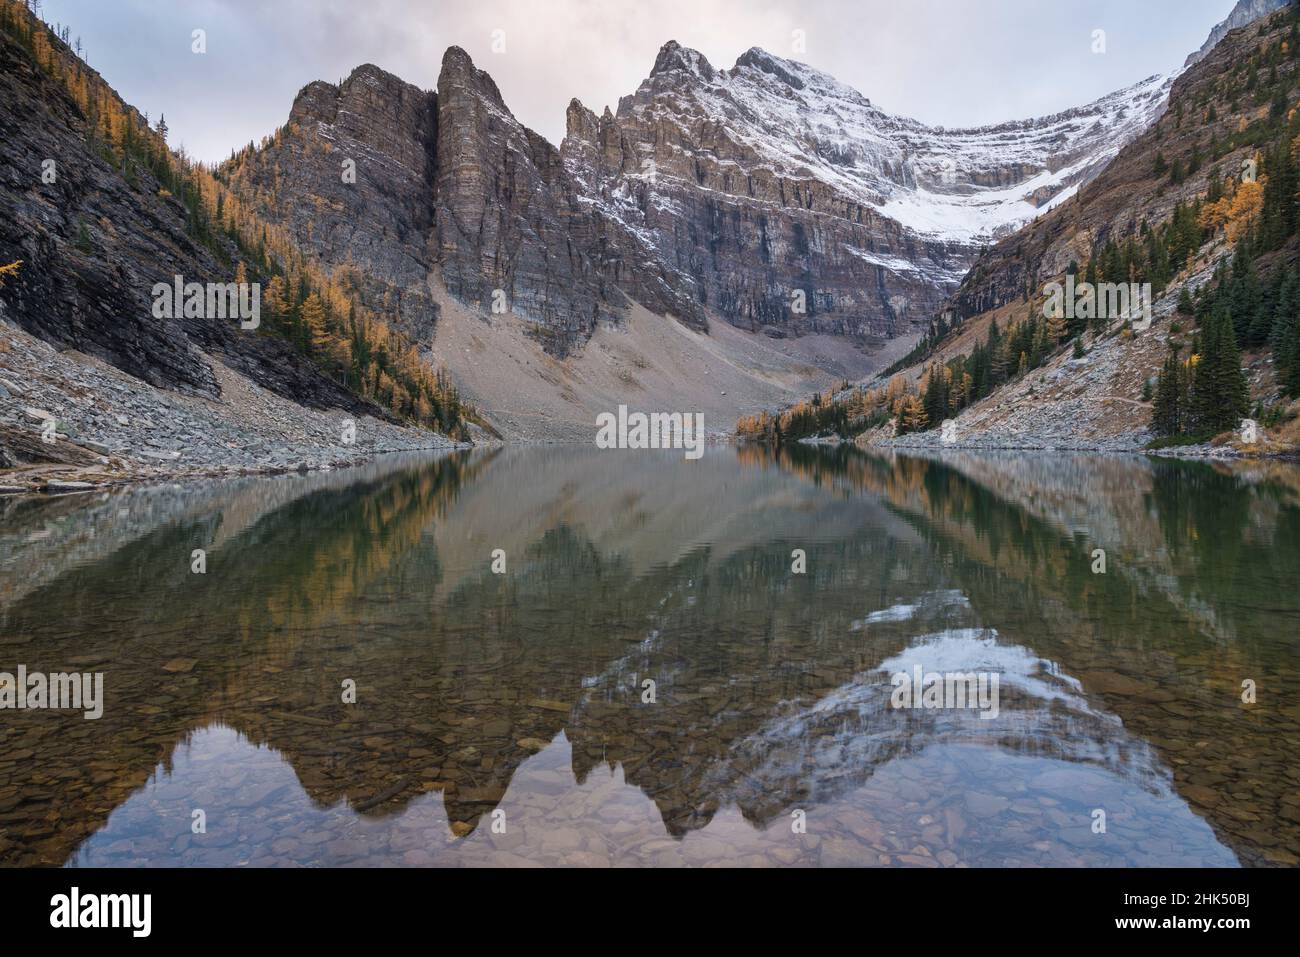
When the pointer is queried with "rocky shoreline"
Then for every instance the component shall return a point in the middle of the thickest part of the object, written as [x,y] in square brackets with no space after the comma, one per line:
[71,423]
[932,442]
[1201,452]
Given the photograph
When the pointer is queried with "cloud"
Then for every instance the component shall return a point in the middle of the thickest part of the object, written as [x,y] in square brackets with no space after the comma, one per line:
[950,62]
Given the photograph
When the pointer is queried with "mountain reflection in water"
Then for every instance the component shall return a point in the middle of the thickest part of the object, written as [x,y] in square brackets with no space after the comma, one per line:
[500,719]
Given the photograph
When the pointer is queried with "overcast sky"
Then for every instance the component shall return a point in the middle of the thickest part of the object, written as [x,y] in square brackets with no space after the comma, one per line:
[950,62]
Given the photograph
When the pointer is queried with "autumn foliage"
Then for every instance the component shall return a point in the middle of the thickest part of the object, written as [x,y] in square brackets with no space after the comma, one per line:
[318,310]
[824,414]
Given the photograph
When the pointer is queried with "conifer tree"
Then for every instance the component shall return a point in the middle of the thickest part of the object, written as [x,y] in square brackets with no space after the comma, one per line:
[1170,401]
[911,415]
[313,321]
[1220,395]
[277,300]
[1288,359]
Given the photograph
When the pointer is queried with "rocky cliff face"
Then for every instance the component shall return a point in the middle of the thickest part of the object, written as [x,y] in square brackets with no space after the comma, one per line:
[93,242]
[91,246]
[772,177]
[769,195]
[511,218]
[450,185]
[1246,11]
[350,177]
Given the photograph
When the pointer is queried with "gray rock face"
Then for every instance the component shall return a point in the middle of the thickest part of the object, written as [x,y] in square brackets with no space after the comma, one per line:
[752,242]
[350,177]
[766,252]
[511,218]
[772,183]
[95,241]
[91,246]
[769,194]
[1245,12]
[450,185]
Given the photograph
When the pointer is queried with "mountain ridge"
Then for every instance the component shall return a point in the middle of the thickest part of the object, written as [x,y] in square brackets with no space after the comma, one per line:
[769,196]
[96,211]
[868,262]
[1198,210]
[841,220]
[1243,13]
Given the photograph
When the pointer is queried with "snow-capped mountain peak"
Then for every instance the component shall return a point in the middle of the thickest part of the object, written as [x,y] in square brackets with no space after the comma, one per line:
[772,179]
[953,185]
[675,57]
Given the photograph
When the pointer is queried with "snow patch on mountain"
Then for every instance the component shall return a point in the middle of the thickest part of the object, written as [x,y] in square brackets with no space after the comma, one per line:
[968,186]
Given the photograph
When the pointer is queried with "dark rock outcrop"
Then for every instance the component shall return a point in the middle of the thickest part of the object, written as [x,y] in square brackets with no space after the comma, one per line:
[350,177]
[91,246]
[450,185]
[510,218]
[95,241]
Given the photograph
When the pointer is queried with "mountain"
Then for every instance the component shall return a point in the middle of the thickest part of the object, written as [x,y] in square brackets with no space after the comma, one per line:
[94,241]
[95,212]
[1215,124]
[1200,208]
[1245,12]
[378,226]
[769,195]
[450,186]
[475,234]
[769,181]
[401,230]
[771,177]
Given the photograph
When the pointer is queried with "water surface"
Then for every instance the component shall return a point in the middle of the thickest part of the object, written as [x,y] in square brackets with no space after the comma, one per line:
[502,718]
